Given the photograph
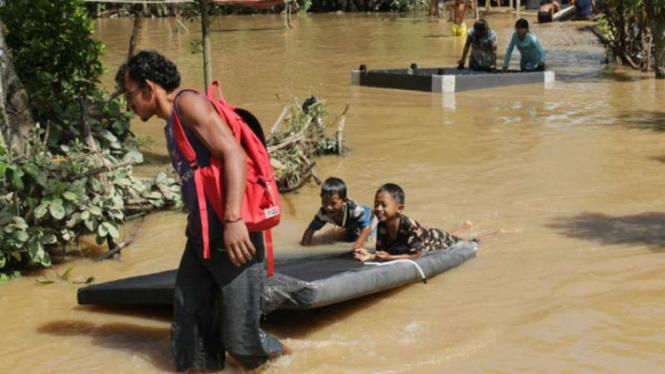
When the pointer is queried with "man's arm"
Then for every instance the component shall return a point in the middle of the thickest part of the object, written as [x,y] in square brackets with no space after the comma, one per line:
[493,65]
[199,115]
[541,52]
[495,44]
[465,52]
[509,53]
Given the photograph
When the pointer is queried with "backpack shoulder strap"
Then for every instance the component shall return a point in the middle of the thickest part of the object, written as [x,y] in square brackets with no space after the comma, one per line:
[179,133]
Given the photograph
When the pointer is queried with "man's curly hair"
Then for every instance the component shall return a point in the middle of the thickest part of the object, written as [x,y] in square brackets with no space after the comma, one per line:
[152,66]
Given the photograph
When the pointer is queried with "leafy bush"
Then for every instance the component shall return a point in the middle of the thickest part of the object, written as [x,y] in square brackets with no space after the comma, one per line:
[60,69]
[47,202]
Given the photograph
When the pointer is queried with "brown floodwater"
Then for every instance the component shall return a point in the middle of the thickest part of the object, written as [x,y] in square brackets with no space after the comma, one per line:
[572,173]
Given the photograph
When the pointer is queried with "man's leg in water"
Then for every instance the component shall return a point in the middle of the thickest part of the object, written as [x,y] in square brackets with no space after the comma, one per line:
[240,308]
[195,338]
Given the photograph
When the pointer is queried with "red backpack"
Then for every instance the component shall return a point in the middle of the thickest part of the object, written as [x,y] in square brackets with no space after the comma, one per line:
[261,208]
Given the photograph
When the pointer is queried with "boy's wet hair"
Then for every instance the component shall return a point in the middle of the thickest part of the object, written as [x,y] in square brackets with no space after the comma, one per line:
[152,66]
[395,191]
[333,186]
[522,24]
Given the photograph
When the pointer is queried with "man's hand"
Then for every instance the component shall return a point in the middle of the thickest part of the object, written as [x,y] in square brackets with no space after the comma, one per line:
[382,255]
[237,243]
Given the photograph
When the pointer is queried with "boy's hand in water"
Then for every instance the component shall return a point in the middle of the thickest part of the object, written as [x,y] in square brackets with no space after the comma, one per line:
[237,243]
[382,255]
[361,254]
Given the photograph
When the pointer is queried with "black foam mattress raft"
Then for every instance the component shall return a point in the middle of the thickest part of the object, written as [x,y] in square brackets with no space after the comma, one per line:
[300,283]
[445,80]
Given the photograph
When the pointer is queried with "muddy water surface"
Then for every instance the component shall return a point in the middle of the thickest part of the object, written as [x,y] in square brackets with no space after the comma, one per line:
[574,174]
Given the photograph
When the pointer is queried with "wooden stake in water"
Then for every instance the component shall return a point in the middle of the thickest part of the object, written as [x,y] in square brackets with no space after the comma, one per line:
[205,30]
[519,5]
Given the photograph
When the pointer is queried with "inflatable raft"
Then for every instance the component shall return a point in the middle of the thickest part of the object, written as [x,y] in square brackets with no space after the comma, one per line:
[303,283]
[444,80]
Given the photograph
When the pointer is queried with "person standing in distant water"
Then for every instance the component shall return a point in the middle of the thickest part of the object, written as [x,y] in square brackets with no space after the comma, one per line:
[457,14]
[533,56]
[483,42]
[586,9]
[547,10]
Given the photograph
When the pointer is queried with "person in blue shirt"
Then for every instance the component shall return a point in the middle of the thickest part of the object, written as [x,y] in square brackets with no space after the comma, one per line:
[533,56]
[586,9]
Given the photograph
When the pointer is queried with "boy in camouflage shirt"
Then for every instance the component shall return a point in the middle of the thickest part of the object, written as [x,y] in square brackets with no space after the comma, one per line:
[398,236]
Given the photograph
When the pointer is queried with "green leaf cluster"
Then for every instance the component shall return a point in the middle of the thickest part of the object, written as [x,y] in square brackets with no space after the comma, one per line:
[59,63]
[47,201]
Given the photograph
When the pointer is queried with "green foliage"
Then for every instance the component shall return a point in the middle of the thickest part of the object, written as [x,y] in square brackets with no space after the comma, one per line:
[4,278]
[65,277]
[59,63]
[53,52]
[47,202]
[634,32]
[304,6]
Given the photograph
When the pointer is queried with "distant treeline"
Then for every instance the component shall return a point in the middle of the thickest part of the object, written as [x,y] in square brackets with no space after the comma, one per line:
[105,10]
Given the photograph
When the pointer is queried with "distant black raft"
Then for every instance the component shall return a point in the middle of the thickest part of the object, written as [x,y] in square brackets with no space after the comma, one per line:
[445,80]
[303,283]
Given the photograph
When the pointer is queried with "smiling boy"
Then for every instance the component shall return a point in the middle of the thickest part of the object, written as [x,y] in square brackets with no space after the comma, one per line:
[398,236]
[338,209]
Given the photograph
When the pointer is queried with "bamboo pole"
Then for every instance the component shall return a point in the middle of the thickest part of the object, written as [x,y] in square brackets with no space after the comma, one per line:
[205,30]
[279,121]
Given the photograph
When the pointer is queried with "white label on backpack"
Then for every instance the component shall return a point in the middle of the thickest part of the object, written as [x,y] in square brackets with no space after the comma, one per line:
[272,212]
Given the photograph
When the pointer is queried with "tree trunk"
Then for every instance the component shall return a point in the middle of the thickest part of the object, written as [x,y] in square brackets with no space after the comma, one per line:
[656,16]
[15,117]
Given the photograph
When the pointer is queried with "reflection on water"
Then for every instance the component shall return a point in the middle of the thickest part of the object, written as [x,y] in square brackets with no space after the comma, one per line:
[569,173]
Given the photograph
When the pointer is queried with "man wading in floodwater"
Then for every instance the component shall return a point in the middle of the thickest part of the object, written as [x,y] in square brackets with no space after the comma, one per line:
[204,328]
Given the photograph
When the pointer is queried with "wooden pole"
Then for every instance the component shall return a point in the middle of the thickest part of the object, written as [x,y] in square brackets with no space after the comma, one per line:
[138,20]
[519,5]
[205,30]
